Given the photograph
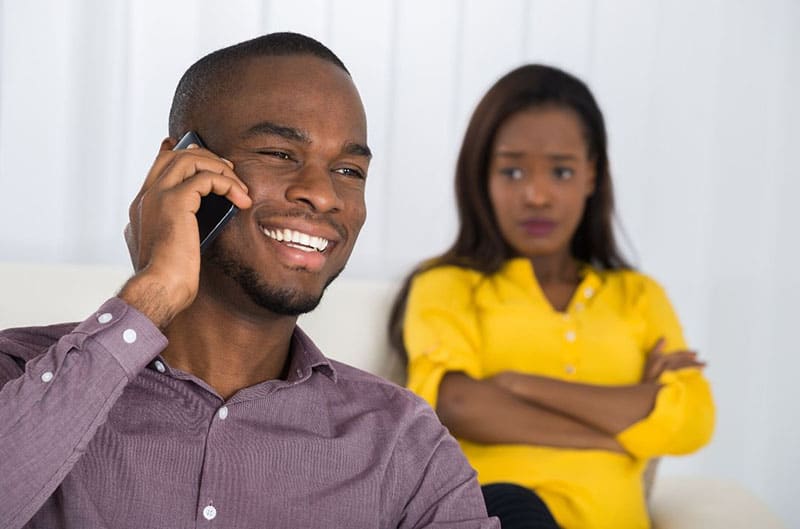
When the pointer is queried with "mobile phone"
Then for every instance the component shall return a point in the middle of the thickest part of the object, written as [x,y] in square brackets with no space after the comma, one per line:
[215,210]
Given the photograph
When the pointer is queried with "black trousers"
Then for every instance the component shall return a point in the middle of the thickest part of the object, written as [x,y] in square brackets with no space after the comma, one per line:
[517,507]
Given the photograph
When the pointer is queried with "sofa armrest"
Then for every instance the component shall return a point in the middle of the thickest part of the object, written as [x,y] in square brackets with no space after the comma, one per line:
[704,503]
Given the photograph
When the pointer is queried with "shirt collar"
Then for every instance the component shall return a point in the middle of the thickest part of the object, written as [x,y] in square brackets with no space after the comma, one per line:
[305,356]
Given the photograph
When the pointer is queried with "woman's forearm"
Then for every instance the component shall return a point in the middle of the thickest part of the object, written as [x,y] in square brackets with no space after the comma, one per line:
[481,412]
[610,409]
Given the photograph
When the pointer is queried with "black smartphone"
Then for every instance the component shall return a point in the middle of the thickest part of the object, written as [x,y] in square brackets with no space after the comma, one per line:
[215,210]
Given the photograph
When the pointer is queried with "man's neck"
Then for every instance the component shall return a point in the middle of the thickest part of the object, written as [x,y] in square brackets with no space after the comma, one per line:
[227,350]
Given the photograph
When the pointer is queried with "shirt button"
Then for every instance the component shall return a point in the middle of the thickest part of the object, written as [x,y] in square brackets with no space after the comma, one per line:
[570,369]
[129,335]
[160,366]
[47,376]
[579,306]
[588,292]
[209,512]
[104,317]
[223,413]
[570,336]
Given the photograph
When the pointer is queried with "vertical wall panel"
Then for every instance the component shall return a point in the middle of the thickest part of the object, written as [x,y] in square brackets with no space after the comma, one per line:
[420,215]
[562,34]
[310,17]
[492,43]
[35,109]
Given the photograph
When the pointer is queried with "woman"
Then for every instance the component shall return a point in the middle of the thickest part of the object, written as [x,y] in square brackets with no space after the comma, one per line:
[560,369]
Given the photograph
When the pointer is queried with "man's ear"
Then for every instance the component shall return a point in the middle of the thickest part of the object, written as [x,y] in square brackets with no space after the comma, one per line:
[167,144]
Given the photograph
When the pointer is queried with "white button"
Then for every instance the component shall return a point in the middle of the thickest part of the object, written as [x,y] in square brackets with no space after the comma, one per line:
[223,413]
[570,336]
[129,335]
[159,366]
[47,376]
[570,369]
[209,512]
[105,317]
[588,292]
[579,306]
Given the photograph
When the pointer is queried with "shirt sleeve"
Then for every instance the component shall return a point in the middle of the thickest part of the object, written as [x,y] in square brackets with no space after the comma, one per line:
[440,330]
[51,408]
[430,475]
[682,419]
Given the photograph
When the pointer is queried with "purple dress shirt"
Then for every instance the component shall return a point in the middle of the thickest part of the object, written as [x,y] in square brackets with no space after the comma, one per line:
[97,431]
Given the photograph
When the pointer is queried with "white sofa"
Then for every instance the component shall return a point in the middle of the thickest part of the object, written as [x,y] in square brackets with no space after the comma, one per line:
[350,325]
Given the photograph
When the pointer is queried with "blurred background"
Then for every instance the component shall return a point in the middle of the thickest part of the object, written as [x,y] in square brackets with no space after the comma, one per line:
[701,102]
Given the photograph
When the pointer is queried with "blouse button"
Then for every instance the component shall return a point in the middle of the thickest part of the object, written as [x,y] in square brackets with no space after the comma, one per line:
[570,336]
[570,369]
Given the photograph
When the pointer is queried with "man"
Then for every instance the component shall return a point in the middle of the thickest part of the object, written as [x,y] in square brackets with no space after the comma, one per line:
[191,399]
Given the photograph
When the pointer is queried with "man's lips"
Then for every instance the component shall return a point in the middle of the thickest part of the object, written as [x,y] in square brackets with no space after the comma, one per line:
[538,227]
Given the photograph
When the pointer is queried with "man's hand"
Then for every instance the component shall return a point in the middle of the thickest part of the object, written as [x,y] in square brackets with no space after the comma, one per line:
[163,237]
[658,361]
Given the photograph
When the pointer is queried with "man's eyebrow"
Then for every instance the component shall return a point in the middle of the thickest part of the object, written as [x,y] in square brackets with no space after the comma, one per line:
[357,149]
[274,129]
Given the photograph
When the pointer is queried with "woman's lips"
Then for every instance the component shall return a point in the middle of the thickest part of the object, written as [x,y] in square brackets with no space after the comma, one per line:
[538,227]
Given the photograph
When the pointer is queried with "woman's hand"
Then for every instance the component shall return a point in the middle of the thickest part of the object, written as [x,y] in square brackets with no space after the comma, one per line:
[658,362]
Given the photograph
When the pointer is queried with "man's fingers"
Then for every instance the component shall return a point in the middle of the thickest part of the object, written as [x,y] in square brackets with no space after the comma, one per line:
[204,183]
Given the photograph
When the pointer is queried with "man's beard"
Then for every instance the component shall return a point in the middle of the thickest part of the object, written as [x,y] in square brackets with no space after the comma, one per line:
[284,301]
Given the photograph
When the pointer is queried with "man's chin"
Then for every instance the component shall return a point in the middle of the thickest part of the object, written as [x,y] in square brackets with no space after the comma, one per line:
[282,300]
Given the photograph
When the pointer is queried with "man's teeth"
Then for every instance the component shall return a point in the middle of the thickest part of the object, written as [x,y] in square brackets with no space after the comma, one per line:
[297,239]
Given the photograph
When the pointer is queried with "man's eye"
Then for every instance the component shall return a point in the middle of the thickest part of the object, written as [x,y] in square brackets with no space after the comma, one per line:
[513,173]
[277,154]
[563,173]
[349,171]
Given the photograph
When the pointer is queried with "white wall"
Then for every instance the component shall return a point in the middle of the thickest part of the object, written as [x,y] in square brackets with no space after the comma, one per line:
[702,107]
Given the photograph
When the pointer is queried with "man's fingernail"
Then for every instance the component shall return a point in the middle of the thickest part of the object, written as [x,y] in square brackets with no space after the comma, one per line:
[192,146]
[227,162]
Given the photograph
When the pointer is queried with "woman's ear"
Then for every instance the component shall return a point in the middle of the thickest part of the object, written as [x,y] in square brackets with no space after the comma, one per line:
[591,182]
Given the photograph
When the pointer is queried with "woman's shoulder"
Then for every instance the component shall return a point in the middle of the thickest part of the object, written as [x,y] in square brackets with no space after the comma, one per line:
[451,281]
[631,284]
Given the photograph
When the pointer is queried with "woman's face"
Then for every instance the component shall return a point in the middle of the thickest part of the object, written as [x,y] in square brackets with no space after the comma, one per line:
[539,179]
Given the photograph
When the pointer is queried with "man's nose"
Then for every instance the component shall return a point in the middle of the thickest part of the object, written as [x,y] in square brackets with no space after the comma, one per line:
[314,186]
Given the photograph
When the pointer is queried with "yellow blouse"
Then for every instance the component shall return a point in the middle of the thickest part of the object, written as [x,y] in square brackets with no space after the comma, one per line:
[461,320]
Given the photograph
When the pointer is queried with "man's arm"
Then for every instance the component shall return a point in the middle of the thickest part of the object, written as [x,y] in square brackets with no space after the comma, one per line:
[429,484]
[50,411]
[482,412]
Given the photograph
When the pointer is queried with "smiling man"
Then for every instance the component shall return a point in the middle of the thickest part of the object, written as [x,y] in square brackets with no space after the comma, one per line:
[191,399]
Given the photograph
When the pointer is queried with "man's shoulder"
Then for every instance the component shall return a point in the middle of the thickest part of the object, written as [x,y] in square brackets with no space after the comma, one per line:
[372,390]
[26,343]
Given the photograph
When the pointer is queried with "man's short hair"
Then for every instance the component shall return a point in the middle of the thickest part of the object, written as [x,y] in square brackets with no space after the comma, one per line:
[211,76]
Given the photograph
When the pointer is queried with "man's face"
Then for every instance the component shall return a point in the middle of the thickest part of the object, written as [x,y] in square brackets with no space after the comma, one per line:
[294,128]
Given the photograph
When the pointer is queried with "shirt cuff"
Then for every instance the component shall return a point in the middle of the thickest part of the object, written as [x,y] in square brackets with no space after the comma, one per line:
[127,334]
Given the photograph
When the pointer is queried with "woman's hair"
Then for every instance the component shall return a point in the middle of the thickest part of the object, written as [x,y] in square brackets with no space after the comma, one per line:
[479,244]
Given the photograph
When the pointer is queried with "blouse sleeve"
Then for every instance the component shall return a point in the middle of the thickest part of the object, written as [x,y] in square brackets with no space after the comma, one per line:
[440,330]
[682,419]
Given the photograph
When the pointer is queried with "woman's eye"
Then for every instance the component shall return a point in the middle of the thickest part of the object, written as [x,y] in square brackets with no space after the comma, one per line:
[563,173]
[513,173]
[349,171]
